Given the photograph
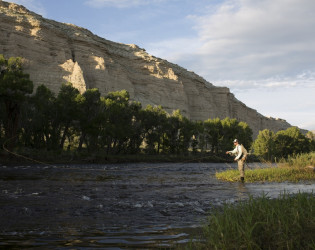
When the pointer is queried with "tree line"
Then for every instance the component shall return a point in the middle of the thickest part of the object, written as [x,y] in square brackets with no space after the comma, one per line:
[272,146]
[112,124]
[91,122]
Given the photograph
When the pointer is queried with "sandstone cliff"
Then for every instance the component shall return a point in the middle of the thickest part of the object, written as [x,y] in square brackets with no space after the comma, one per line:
[57,52]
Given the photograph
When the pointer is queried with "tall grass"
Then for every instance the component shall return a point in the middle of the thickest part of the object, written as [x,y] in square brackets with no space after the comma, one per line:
[300,160]
[262,223]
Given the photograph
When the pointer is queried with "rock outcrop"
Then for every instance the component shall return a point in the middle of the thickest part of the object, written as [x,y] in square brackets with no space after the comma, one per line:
[56,52]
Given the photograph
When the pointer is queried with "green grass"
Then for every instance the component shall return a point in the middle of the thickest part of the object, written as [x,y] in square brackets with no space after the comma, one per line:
[293,169]
[300,160]
[274,174]
[262,223]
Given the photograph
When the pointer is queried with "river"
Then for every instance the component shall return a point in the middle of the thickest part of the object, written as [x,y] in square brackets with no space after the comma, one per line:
[116,206]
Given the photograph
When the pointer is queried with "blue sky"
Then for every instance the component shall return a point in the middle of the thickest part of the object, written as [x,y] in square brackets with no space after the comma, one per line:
[263,50]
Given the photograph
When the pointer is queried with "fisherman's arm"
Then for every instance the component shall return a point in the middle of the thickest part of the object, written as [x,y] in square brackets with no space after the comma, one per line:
[234,151]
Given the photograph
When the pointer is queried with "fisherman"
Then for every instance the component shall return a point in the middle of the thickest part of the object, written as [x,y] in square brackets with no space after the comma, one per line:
[241,153]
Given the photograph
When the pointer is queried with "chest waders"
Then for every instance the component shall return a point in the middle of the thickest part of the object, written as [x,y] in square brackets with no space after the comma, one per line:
[241,163]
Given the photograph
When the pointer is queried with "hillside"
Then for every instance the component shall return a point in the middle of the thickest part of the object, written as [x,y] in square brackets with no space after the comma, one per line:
[56,52]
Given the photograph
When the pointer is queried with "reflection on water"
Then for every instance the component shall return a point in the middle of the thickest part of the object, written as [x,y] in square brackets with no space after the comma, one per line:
[242,191]
[116,206]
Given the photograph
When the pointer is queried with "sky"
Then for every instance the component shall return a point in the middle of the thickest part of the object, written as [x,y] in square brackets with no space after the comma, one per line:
[263,50]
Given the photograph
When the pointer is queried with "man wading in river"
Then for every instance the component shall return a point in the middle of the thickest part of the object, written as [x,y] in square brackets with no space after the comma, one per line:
[241,154]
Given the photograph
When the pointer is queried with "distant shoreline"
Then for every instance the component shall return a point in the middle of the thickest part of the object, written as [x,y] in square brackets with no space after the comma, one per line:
[50,158]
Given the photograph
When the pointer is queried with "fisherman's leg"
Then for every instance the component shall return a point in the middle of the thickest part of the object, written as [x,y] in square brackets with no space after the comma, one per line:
[241,164]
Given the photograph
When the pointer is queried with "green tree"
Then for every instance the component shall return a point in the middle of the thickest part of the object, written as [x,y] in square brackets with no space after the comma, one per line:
[187,132]
[214,133]
[291,141]
[2,121]
[234,129]
[311,136]
[68,110]
[264,145]
[150,128]
[178,134]
[15,87]
[230,132]
[135,132]
[117,121]
[199,139]
[40,130]
[90,109]
[154,122]
[245,134]
[171,137]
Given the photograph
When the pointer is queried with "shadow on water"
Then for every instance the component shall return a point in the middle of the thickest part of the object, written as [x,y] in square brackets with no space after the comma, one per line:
[116,206]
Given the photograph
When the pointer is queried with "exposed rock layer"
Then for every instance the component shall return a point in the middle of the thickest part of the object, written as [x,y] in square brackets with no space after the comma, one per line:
[57,52]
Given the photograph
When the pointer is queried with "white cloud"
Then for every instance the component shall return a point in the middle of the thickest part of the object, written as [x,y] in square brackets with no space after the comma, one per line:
[120,3]
[303,80]
[251,43]
[260,39]
[263,50]
[33,5]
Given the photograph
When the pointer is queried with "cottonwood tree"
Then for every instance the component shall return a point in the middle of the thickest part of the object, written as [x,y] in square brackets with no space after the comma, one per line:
[40,130]
[245,134]
[264,145]
[15,88]
[135,132]
[172,133]
[213,130]
[291,141]
[230,131]
[90,109]
[68,111]
[154,124]
[117,121]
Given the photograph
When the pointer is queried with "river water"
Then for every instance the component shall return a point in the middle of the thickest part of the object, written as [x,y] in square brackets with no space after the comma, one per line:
[116,206]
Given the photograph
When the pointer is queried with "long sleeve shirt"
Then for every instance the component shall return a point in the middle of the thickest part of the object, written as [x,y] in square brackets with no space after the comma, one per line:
[237,151]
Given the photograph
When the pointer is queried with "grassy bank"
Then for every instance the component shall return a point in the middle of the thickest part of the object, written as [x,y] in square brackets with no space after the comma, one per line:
[262,223]
[293,169]
[274,174]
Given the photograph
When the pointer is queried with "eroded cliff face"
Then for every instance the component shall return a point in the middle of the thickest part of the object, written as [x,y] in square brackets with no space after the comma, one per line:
[57,52]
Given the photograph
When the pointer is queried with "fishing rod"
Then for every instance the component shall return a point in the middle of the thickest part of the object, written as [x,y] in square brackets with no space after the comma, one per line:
[22,156]
[116,170]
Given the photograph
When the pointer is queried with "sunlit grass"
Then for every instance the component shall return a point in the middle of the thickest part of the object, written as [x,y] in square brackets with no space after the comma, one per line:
[262,223]
[300,160]
[294,169]
[275,174]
